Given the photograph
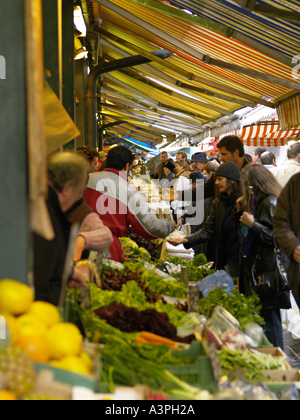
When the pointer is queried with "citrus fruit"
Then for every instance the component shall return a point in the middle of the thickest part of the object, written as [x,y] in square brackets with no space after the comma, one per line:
[6,395]
[65,339]
[13,328]
[74,364]
[36,347]
[46,312]
[87,360]
[30,325]
[15,297]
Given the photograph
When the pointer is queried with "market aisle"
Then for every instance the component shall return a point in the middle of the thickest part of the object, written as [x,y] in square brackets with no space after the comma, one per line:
[292,349]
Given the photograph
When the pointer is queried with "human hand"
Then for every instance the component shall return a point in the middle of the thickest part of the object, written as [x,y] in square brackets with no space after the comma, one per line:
[78,279]
[79,247]
[247,219]
[179,224]
[178,241]
[296,254]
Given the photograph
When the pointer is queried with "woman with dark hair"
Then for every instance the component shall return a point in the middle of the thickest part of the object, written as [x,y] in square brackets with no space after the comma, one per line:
[255,212]
[91,155]
[220,225]
[169,171]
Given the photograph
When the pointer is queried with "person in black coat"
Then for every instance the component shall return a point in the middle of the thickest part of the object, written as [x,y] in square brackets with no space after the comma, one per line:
[220,225]
[255,211]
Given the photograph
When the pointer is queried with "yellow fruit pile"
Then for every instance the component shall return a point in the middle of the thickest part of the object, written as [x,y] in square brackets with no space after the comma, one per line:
[36,328]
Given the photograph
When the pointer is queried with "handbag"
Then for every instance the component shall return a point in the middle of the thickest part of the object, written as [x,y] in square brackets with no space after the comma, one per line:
[272,287]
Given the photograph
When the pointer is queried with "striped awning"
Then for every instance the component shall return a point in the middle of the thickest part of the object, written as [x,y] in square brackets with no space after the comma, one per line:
[266,135]
[209,145]
[289,112]
[226,56]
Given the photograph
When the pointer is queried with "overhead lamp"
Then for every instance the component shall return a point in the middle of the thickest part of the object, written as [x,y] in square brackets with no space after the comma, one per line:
[79,20]
[79,51]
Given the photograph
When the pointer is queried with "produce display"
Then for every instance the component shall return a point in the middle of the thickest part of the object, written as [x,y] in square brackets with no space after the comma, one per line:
[152,194]
[137,330]
[245,309]
[198,268]
[141,242]
[250,362]
[35,333]
[133,251]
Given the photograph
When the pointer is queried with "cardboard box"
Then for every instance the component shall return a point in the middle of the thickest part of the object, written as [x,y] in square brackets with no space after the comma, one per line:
[276,352]
[290,376]
[282,379]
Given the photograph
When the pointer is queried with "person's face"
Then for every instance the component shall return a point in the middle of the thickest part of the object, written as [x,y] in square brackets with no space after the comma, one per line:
[167,171]
[178,168]
[163,158]
[199,165]
[222,185]
[226,156]
[179,156]
[255,158]
[93,165]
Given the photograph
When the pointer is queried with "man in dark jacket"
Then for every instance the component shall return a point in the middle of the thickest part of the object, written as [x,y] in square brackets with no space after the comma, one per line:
[67,178]
[287,229]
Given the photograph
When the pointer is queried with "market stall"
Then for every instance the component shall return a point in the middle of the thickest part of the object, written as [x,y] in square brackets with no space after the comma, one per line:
[141,330]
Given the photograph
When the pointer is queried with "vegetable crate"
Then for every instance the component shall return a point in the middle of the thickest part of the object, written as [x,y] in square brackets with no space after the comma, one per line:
[282,379]
[199,373]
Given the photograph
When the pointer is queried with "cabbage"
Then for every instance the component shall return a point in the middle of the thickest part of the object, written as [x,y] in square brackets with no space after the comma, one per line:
[234,339]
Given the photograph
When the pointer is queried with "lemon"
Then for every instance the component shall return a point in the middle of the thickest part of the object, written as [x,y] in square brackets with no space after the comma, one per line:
[74,364]
[6,395]
[15,297]
[87,360]
[30,325]
[46,312]
[65,339]
[55,363]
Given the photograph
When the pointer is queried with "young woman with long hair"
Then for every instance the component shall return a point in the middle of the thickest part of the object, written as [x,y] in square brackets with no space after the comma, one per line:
[255,211]
[220,224]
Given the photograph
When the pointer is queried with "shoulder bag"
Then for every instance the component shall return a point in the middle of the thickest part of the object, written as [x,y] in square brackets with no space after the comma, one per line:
[272,287]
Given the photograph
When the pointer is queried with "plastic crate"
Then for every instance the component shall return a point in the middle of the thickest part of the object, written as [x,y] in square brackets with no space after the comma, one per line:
[199,373]
[69,378]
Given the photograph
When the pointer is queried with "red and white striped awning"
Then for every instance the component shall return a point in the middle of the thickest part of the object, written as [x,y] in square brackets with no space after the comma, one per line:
[266,135]
[209,145]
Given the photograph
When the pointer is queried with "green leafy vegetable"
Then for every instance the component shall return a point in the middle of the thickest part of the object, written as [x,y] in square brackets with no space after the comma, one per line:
[250,363]
[245,309]
[132,296]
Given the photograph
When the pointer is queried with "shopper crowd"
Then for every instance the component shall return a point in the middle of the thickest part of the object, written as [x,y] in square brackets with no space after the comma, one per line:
[250,205]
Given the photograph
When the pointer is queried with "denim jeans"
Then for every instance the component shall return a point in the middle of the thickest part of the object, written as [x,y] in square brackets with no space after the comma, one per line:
[273,326]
